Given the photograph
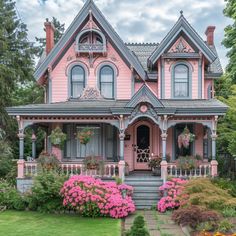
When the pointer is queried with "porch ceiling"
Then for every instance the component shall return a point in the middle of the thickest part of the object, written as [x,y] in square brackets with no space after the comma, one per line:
[111,107]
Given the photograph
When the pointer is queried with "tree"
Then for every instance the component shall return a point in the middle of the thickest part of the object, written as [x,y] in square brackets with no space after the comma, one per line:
[230,36]
[59,30]
[16,56]
[226,86]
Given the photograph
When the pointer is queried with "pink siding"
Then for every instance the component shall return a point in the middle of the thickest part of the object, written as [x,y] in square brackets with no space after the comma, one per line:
[159,79]
[60,80]
[199,139]
[153,87]
[168,74]
[137,86]
[129,153]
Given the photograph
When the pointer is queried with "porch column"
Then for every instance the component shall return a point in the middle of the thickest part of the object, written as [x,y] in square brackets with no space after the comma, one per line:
[213,142]
[214,163]
[33,138]
[122,161]
[122,146]
[164,162]
[21,161]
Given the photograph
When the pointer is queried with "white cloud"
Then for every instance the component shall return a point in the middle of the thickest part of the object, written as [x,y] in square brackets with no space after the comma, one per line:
[134,20]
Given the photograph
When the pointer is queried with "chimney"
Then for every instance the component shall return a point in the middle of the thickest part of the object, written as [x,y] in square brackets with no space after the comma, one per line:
[210,35]
[49,28]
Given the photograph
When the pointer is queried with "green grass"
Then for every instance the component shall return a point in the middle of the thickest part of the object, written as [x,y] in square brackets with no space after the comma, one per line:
[15,223]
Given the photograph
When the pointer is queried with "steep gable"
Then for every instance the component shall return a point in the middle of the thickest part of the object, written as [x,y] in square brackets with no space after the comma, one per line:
[144,94]
[182,27]
[72,30]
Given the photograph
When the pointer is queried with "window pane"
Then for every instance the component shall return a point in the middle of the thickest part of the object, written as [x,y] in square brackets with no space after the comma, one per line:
[107,74]
[181,90]
[77,74]
[181,71]
[77,89]
[107,90]
[181,81]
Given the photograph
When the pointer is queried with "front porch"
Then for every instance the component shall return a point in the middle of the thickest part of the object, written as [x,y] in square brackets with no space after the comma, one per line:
[123,143]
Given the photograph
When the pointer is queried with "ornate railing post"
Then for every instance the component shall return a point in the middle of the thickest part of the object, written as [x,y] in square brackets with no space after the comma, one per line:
[21,161]
[164,137]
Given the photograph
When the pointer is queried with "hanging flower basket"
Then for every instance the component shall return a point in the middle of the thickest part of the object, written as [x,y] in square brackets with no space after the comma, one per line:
[84,136]
[57,137]
[185,138]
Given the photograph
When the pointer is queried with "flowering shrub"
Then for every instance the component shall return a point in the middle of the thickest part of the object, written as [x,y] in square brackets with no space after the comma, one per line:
[172,189]
[93,197]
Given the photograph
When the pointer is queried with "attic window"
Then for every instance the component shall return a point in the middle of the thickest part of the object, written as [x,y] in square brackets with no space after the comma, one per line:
[89,41]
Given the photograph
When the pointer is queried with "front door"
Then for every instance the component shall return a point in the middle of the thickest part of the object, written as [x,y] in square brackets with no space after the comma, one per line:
[142,147]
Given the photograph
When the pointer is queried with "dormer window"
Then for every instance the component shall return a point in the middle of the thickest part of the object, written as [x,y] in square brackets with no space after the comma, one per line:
[181,81]
[91,41]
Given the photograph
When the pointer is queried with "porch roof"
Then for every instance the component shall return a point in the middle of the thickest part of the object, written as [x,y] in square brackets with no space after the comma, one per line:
[114,107]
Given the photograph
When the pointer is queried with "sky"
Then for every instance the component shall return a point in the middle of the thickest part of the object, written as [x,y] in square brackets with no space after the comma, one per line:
[134,20]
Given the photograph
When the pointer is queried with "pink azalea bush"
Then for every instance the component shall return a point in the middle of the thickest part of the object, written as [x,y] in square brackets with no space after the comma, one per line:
[170,192]
[93,197]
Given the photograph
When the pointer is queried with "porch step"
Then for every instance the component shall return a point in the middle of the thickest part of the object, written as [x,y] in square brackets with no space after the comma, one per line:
[146,189]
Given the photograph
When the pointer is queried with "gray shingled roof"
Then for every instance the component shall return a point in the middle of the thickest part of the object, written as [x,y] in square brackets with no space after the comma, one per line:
[198,103]
[142,51]
[215,67]
[106,107]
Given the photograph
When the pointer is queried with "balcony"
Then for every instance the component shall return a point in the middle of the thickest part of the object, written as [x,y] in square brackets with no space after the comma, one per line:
[91,48]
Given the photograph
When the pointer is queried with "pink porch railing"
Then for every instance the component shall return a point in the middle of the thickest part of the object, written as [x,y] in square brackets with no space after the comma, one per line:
[111,169]
[204,170]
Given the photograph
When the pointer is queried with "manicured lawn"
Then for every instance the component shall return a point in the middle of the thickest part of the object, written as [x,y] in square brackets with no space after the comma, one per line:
[15,223]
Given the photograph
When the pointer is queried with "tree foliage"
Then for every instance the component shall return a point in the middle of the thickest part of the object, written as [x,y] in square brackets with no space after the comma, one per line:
[230,38]
[226,86]
[16,55]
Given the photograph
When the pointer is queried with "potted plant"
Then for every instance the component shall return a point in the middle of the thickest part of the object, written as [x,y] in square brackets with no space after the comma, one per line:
[84,135]
[126,168]
[48,161]
[185,138]
[58,138]
[93,163]
[155,164]
[187,163]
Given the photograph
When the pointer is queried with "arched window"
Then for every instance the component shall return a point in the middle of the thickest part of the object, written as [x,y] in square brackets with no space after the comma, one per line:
[77,81]
[106,82]
[181,81]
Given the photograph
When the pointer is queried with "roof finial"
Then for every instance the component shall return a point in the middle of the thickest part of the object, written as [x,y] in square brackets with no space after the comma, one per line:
[181,12]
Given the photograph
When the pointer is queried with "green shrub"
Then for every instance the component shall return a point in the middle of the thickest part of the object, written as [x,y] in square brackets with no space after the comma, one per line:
[45,193]
[207,226]
[10,197]
[226,184]
[229,212]
[138,227]
[192,216]
[202,192]
[225,226]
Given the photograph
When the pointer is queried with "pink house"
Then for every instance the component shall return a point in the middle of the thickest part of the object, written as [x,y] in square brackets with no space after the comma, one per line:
[137,98]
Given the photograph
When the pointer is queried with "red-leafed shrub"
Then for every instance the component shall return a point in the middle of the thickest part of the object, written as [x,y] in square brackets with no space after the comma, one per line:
[192,216]
[93,197]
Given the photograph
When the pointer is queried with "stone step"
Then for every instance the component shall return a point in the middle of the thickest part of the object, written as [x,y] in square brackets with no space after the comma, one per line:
[146,203]
[146,189]
[143,178]
[147,195]
[137,184]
